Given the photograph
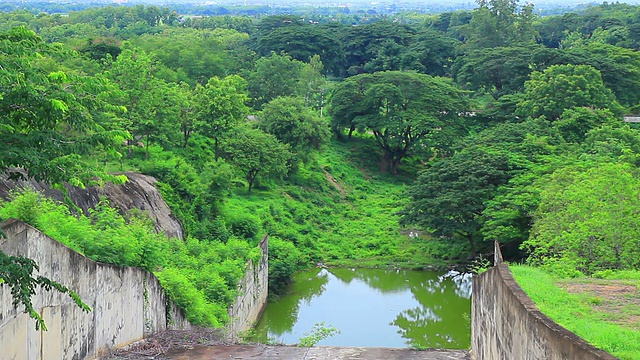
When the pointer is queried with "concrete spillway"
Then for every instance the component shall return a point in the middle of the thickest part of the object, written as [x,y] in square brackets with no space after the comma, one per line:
[265,352]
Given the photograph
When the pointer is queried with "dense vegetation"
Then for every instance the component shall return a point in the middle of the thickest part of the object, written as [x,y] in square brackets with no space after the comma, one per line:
[335,139]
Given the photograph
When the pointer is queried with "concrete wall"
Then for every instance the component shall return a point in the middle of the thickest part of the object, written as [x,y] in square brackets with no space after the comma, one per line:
[252,294]
[128,303]
[507,325]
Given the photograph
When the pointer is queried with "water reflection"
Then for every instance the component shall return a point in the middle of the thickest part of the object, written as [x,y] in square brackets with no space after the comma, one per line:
[373,307]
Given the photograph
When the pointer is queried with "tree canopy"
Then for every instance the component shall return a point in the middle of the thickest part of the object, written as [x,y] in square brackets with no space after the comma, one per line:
[401,109]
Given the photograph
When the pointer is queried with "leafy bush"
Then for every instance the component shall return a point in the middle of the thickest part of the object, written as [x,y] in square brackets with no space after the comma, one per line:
[586,220]
[244,226]
[200,276]
[109,239]
[284,260]
[182,291]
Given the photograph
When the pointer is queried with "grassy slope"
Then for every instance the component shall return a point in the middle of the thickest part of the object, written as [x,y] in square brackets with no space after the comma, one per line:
[340,209]
[590,314]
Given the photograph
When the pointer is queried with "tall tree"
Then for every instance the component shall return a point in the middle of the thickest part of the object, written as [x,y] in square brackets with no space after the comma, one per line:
[222,105]
[504,70]
[291,122]
[47,118]
[363,43]
[46,123]
[401,109]
[560,87]
[500,23]
[449,197]
[273,76]
[133,72]
[302,43]
[255,153]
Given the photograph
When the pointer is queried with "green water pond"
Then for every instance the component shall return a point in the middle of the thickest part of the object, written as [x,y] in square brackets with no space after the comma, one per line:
[373,308]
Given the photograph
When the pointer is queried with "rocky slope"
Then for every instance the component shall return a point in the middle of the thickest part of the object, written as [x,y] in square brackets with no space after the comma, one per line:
[138,192]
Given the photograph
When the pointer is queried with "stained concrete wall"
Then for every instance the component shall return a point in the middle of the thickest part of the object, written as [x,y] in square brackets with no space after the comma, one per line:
[128,303]
[507,325]
[252,294]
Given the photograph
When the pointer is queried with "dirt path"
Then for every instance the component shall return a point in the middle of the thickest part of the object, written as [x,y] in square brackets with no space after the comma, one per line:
[618,300]
[335,184]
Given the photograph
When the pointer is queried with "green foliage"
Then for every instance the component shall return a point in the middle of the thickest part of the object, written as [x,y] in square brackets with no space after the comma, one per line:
[111,239]
[480,265]
[403,110]
[318,332]
[301,41]
[255,152]
[201,276]
[274,76]
[46,117]
[17,273]
[243,226]
[588,225]
[181,89]
[450,196]
[579,312]
[291,122]
[222,106]
[503,70]
[183,292]
[284,260]
[500,23]
[575,123]
[561,87]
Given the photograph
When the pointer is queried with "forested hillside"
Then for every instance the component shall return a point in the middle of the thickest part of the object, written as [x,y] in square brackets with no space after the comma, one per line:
[338,136]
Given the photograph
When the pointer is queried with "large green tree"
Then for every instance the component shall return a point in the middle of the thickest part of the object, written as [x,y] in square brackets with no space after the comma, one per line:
[362,44]
[500,23]
[273,76]
[46,123]
[291,122]
[586,219]
[222,105]
[450,196]
[560,87]
[503,70]
[48,119]
[401,109]
[255,152]
[302,42]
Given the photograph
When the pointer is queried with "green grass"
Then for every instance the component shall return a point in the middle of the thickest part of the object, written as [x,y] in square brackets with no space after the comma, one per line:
[341,210]
[608,322]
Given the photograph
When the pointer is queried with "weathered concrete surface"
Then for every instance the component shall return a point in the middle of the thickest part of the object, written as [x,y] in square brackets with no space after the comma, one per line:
[253,290]
[128,303]
[264,352]
[139,192]
[506,324]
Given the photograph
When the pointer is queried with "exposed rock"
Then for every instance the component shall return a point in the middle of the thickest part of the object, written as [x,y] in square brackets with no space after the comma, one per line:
[138,192]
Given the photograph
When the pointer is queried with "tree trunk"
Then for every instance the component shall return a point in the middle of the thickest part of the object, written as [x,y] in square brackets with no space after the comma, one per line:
[146,154]
[251,177]
[394,168]
[473,245]
[187,134]
[215,151]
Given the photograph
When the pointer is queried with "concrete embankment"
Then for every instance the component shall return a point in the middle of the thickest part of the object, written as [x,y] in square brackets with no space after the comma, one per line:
[506,324]
[264,352]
